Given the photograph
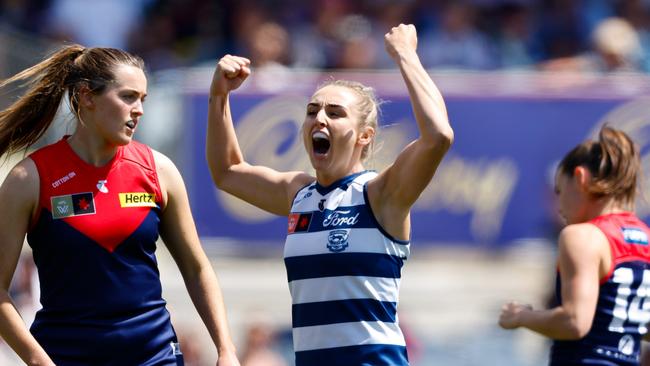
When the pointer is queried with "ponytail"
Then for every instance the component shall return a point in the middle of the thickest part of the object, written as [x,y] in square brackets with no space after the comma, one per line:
[613,162]
[27,119]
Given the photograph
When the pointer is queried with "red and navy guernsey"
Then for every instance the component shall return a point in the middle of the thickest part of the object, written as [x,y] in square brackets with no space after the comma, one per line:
[94,243]
[623,308]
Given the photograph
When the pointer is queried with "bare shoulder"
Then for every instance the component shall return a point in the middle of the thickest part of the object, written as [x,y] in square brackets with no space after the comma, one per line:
[582,239]
[298,180]
[169,177]
[23,177]
[163,163]
[20,189]
[168,174]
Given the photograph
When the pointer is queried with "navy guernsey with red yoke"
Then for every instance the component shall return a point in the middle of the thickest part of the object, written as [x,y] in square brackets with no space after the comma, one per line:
[623,308]
[94,243]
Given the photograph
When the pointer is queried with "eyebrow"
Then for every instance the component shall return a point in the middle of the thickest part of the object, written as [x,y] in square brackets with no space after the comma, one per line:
[131,90]
[332,105]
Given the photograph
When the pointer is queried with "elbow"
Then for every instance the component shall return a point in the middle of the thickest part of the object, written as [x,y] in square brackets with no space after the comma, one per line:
[446,137]
[575,330]
[575,333]
[218,177]
[218,181]
[214,171]
[218,171]
[224,176]
[442,140]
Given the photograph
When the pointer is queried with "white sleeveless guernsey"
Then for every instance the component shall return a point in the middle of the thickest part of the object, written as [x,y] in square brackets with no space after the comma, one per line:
[344,275]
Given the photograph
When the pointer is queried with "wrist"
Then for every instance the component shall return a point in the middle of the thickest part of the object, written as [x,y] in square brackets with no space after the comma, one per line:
[228,348]
[219,98]
[520,319]
[406,56]
[218,93]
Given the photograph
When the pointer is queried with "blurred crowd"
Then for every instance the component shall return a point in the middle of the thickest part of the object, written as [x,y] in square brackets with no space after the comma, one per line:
[591,35]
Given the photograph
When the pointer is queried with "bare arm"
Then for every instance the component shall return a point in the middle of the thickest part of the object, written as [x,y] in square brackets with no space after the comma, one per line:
[230,172]
[18,194]
[582,251]
[180,236]
[397,188]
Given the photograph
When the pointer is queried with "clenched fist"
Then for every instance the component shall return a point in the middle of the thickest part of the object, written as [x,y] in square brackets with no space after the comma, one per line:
[230,73]
[401,40]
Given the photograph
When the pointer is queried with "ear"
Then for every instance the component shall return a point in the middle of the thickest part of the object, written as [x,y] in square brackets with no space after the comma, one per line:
[366,135]
[85,97]
[582,178]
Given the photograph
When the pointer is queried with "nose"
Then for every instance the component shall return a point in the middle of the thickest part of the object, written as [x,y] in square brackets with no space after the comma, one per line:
[321,119]
[138,109]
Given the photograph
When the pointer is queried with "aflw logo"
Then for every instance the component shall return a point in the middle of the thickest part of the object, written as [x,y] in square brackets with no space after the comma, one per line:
[75,204]
[338,218]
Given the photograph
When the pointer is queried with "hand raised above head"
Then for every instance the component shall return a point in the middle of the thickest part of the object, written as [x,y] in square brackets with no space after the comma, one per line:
[230,73]
[400,40]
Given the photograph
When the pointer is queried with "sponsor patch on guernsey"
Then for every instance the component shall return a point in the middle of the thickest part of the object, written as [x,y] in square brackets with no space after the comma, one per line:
[634,235]
[75,204]
[299,222]
[137,199]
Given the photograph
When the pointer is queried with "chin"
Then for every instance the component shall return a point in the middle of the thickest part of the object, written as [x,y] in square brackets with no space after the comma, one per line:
[123,140]
[317,163]
[317,167]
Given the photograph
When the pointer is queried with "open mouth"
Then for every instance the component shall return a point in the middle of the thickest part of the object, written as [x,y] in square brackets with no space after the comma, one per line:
[130,124]
[320,143]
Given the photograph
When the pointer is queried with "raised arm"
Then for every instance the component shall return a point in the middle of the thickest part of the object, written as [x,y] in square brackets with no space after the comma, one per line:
[179,234]
[230,172]
[583,256]
[398,187]
[18,195]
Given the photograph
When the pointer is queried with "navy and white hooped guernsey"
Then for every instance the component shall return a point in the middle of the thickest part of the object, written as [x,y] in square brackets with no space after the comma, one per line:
[344,274]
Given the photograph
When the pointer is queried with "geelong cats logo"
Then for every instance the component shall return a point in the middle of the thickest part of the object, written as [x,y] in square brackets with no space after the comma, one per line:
[337,240]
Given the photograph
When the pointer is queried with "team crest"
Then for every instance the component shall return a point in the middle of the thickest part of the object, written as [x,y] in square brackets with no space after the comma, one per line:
[337,240]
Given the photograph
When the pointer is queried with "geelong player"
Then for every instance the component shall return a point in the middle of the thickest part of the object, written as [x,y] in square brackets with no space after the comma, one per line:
[348,232]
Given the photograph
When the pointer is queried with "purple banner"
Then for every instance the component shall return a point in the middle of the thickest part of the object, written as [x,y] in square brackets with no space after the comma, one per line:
[493,188]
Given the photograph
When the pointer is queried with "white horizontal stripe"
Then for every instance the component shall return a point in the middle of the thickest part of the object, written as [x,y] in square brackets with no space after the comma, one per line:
[346,334]
[367,240]
[343,288]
